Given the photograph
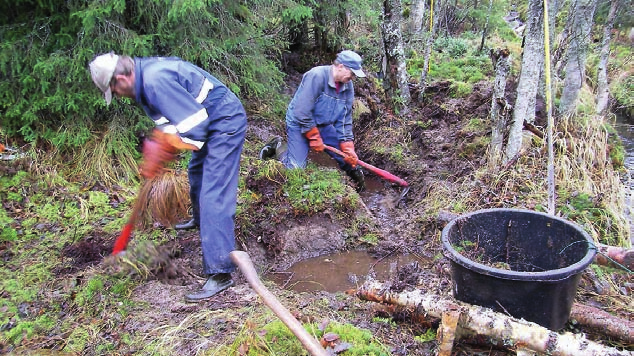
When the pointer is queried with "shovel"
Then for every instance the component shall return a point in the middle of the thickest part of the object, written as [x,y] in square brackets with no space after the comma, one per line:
[378,171]
[121,242]
[243,261]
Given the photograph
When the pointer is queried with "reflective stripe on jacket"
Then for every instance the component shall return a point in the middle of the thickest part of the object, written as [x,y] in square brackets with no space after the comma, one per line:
[176,94]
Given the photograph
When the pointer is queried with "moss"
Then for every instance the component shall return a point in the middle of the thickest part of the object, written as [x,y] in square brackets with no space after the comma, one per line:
[78,340]
[428,336]
[26,329]
[313,189]
[87,294]
[278,340]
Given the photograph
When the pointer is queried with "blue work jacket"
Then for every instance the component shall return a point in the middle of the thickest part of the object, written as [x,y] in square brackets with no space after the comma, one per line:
[317,102]
[175,94]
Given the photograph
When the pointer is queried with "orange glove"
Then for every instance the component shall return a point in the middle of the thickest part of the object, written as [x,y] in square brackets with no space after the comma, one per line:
[157,151]
[314,140]
[173,140]
[350,156]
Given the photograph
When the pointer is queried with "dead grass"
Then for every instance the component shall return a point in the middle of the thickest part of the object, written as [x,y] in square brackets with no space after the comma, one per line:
[585,167]
[164,199]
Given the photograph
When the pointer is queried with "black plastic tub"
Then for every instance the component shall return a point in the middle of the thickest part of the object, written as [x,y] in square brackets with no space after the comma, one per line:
[519,262]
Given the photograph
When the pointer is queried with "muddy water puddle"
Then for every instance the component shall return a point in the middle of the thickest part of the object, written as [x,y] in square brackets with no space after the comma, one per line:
[340,271]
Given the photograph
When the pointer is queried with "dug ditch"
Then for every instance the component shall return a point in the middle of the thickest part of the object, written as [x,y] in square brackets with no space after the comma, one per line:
[343,271]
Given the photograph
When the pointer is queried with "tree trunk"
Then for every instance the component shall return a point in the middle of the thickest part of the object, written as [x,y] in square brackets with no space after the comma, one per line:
[476,320]
[576,55]
[396,75]
[532,63]
[499,107]
[417,16]
[603,91]
[553,9]
[433,18]
[563,40]
[486,26]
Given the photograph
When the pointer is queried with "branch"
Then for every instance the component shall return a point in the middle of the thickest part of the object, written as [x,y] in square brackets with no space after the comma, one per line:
[477,320]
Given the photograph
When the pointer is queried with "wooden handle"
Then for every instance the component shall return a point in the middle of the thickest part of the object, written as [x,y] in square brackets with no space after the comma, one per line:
[243,261]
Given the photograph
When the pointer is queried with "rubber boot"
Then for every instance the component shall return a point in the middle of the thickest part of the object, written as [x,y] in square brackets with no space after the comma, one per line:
[188,225]
[215,284]
[270,149]
[356,174]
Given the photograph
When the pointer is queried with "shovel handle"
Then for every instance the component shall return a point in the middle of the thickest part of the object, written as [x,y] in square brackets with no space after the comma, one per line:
[378,171]
[243,261]
[121,242]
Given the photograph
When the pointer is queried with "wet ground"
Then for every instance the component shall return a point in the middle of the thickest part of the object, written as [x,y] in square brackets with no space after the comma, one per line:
[341,272]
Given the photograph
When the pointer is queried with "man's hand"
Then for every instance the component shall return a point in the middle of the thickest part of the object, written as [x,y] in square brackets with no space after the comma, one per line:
[350,156]
[314,140]
[157,151]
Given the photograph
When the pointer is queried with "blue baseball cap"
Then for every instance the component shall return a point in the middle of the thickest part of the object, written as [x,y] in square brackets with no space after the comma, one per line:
[351,60]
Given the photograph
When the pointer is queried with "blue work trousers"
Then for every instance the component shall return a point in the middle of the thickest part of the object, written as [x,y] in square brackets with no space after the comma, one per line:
[298,147]
[213,178]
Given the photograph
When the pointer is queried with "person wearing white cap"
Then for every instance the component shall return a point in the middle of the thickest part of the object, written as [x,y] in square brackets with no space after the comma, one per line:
[193,111]
[321,113]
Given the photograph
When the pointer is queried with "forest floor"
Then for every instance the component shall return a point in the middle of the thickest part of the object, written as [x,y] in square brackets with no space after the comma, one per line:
[444,150]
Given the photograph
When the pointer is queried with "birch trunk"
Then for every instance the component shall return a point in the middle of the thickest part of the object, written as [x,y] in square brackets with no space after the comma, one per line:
[418,15]
[553,8]
[603,91]
[476,320]
[433,18]
[563,41]
[499,106]
[396,75]
[532,63]
[576,55]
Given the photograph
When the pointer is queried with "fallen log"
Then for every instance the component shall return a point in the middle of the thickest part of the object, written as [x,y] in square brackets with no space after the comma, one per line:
[606,323]
[477,320]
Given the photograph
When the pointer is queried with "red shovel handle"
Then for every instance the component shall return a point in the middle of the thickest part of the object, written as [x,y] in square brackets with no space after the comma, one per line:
[378,171]
[122,241]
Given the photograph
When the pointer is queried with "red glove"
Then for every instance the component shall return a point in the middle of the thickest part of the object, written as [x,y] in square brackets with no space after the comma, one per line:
[314,140]
[350,156]
[157,151]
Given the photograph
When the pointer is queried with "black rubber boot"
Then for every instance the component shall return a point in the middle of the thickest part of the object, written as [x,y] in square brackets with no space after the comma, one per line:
[357,177]
[270,149]
[191,224]
[215,284]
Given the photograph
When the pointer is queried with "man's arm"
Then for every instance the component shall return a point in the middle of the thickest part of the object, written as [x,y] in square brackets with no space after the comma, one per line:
[182,110]
[311,87]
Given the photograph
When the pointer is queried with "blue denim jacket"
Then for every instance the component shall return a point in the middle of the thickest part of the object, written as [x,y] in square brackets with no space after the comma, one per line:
[317,103]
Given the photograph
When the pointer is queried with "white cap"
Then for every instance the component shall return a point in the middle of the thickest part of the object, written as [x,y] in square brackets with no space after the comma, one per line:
[101,71]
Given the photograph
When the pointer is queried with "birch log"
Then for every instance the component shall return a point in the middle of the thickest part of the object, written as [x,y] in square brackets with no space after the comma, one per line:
[476,320]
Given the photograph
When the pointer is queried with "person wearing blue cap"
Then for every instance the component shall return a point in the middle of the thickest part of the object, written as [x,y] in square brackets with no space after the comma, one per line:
[321,113]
